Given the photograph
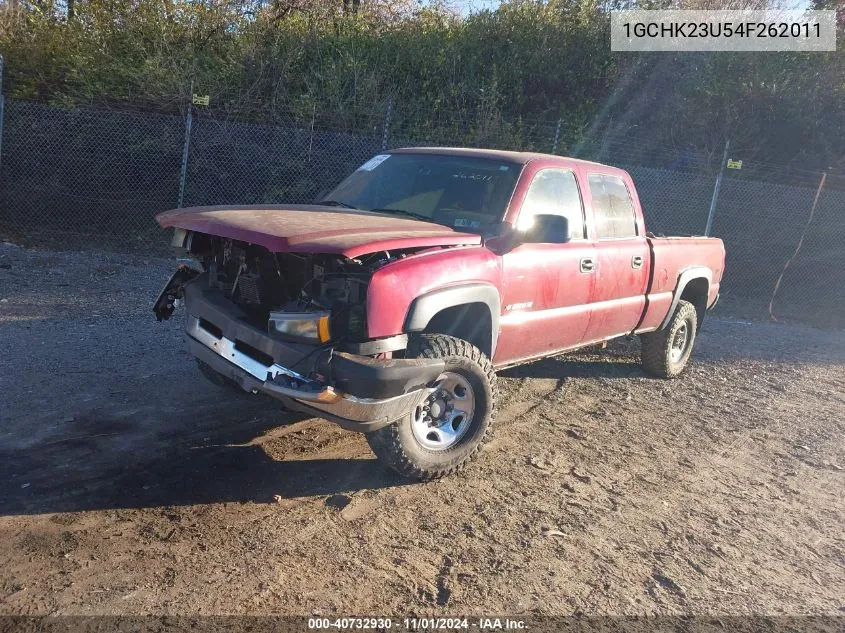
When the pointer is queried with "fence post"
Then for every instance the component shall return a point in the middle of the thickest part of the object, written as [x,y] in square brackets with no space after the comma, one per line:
[388,117]
[557,136]
[311,135]
[185,150]
[2,97]
[716,189]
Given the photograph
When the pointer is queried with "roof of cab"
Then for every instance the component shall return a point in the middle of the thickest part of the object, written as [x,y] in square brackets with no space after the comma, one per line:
[514,157]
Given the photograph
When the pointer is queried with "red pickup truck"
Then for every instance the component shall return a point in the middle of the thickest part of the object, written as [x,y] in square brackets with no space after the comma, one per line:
[388,306]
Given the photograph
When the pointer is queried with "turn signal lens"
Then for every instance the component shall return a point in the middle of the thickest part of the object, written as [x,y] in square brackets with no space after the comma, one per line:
[323,329]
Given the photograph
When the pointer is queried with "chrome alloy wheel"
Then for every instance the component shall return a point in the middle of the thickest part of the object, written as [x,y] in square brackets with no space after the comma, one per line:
[445,416]
[680,342]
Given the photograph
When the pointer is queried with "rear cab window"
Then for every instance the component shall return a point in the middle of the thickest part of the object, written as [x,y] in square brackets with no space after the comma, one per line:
[613,207]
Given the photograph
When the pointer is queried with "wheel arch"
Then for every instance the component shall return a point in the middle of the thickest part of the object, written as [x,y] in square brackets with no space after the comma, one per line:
[693,286]
[467,311]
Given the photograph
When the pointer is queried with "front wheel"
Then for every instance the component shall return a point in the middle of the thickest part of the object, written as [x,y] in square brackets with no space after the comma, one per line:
[448,430]
[666,352]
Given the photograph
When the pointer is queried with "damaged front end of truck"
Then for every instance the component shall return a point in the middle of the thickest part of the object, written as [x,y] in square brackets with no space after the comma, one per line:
[292,326]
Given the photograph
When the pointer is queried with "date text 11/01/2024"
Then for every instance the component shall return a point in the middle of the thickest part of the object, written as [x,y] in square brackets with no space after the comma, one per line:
[418,624]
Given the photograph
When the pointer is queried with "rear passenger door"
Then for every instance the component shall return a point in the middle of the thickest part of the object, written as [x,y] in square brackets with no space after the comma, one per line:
[622,259]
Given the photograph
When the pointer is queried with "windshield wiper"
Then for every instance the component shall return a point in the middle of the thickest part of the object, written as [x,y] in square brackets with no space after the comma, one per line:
[410,214]
[337,203]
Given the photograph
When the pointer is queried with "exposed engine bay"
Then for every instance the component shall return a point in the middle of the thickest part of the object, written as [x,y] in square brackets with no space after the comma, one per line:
[262,283]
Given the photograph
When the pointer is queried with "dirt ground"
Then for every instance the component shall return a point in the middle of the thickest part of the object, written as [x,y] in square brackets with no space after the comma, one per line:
[132,486]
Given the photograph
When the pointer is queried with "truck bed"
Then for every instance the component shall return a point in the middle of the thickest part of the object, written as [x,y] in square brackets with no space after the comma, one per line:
[671,257]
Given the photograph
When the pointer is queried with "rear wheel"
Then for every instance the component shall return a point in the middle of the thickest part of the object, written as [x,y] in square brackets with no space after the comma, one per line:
[666,353]
[448,430]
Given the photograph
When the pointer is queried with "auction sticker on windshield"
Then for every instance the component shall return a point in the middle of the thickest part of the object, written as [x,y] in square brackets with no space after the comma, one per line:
[374,162]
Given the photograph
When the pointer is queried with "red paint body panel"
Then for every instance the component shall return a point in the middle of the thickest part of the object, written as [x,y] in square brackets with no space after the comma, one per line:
[547,277]
[671,257]
[549,304]
[566,309]
[619,299]
[394,287]
[314,229]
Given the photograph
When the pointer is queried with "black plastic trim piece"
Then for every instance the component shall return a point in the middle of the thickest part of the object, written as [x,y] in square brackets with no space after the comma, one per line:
[365,377]
[690,274]
[715,301]
[425,307]
[174,289]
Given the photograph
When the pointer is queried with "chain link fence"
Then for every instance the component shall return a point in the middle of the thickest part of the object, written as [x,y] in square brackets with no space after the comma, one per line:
[237,163]
[85,177]
[69,175]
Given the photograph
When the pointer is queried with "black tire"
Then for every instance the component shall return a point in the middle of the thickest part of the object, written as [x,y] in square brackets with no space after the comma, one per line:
[660,353]
[396,445]
[219,379]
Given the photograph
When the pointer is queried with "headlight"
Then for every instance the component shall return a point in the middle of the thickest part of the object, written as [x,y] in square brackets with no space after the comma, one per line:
[304,326]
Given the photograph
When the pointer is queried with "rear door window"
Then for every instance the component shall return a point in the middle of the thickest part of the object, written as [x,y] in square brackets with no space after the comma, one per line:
[613,207]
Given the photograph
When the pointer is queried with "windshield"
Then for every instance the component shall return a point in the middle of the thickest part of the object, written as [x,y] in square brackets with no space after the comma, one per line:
[462,192]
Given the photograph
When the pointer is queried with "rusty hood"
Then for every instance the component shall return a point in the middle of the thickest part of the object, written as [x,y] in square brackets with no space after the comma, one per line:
[314,229]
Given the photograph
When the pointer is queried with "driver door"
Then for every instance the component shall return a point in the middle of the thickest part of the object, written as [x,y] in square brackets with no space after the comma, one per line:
[547,288]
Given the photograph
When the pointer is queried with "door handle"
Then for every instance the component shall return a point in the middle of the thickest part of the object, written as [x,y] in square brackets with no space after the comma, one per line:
[587,264]
[637,261]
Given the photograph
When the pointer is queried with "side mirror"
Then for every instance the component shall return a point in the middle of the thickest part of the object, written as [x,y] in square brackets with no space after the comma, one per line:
[545,228]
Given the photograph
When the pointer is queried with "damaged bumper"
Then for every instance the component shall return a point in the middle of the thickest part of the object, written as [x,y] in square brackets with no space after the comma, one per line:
[356,392]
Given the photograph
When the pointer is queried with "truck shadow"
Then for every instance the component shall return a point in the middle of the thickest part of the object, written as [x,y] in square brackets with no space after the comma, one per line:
[215,452]
[219,463]
[582,366]
[185,443]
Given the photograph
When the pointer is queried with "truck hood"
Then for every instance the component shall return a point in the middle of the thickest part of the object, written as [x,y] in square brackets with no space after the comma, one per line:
[314,229]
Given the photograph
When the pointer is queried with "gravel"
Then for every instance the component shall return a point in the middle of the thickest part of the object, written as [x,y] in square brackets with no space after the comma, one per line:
[131,485]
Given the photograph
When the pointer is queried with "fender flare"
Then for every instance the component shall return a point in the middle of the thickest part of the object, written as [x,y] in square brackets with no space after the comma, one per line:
[690,274]
[426,306]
